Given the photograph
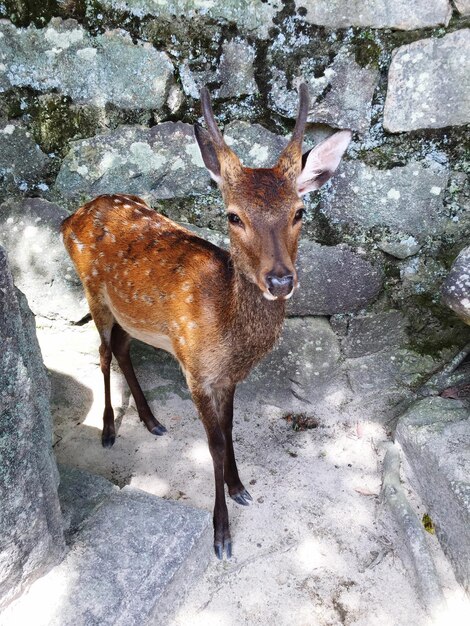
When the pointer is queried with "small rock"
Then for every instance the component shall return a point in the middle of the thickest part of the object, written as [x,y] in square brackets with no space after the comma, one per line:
[399,14]
[400,248]
[456,288]
[429,84]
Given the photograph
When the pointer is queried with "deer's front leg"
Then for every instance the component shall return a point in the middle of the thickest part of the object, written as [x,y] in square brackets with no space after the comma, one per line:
[215,436]
[224,405]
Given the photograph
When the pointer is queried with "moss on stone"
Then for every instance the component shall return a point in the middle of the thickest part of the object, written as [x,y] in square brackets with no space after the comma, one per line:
[56,122]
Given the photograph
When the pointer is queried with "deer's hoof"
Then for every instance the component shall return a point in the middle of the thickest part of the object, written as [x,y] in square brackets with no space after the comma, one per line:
[107,441]
[219,549]
[158,430]
[242,497]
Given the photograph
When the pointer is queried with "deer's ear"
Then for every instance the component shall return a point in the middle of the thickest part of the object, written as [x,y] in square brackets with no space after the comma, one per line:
[208,153]
[320,163]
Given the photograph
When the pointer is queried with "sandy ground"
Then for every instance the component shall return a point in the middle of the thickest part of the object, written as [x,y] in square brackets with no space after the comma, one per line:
[314,548]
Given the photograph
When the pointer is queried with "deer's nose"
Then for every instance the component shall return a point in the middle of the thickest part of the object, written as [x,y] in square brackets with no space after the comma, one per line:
[279,286]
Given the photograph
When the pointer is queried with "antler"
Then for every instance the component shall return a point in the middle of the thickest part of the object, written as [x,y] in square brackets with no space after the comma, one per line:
[290,161]
[208,113]
[302,113]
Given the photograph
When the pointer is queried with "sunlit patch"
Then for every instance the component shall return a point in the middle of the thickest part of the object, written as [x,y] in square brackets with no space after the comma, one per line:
[159,487]
[199,453]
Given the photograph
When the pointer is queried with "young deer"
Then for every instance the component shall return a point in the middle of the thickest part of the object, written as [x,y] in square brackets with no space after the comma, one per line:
[217,312]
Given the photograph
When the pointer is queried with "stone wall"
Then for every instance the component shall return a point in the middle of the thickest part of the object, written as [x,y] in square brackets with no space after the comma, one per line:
[31,535]
[100,96]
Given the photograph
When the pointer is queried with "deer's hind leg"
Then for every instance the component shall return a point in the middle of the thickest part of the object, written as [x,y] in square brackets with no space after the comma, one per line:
[120,343]
[104,322]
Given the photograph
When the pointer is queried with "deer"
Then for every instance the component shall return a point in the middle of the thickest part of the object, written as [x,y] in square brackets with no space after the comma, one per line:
[217,312]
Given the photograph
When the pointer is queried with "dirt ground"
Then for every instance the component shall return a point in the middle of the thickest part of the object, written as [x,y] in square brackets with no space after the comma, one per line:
[315,547]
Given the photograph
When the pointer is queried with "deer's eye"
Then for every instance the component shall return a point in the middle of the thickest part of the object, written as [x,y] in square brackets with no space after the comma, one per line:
[298,215]
[234,219]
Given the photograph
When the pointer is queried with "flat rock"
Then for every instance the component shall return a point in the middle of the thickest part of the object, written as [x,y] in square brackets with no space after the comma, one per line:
[23,165]
[368,334]
[108,68]
[235,72]
[31,535]
[40,265]
[333,280]
[254,17]
[435,436]
[405,201]
[341,98]
[429,84]
[131,560]
[400,14]
[456,287]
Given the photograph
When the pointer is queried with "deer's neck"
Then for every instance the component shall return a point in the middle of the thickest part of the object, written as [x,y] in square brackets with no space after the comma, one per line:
[256,322]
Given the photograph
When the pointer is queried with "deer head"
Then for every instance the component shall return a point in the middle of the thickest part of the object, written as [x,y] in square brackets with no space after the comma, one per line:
[263,205]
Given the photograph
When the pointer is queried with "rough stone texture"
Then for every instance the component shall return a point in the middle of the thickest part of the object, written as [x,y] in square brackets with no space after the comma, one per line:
[235,71]
[22,164]
[399,14]
[456,287]
[388,372]
[429,84]
[253,144]
[333,280]
[462,6]
[254,17]
[342,97]
[29,230]
[106,68]
[157,163]
[400,247]
[369,334]
[435,436]
[80,494]
[304,364]
[133,557]
[31,536]
[405,200]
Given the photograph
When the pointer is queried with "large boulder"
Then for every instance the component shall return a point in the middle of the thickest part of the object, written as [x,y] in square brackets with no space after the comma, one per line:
[31,535]
[399,14]
[30,232]
[429,84]
[333,279]
[253,18]
[435,436]
[108,68]
[405,203]
[158,163]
